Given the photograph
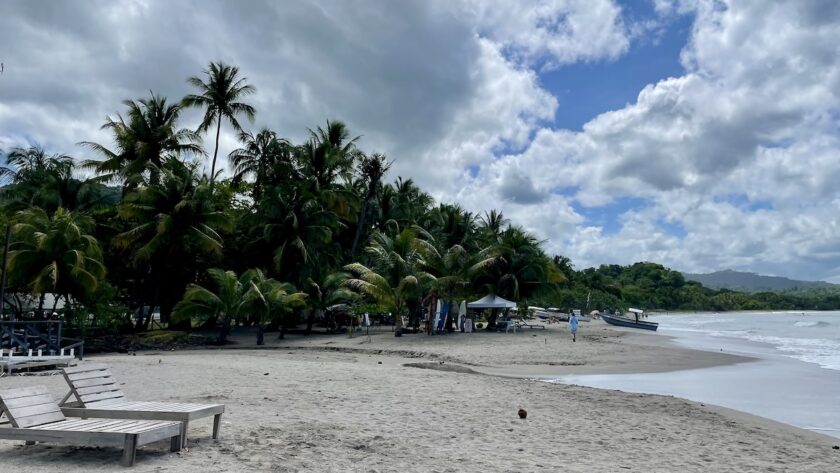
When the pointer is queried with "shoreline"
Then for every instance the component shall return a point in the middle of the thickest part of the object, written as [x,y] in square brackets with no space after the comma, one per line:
[338,404]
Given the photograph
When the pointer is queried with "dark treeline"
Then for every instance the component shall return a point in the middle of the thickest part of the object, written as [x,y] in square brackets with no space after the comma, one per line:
[653,286]
[293,229]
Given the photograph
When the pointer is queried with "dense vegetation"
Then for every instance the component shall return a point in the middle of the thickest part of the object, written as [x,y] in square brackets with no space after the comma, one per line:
[652,286]
[293,229]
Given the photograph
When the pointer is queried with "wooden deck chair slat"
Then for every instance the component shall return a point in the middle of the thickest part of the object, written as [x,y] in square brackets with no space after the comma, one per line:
[35,410]
[66,424]
[40,419]
[9,394]
[89,375]
[86,367]
[27,407]
[29,401]
[102,388]
[101,396]
[85,383]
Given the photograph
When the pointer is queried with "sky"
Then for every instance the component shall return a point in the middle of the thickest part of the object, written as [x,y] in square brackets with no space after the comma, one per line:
[700,134]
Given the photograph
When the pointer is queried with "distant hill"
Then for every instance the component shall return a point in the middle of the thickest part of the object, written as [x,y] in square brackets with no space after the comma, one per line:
[752,282]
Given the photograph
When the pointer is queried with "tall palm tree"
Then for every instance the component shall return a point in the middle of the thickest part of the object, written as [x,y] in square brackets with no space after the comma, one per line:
[56,254]
[144,142]
[371,169]
[220,97]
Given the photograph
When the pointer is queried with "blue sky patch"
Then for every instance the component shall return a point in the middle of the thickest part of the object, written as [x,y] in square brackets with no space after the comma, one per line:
[743,202]
[608,217]
[587,89]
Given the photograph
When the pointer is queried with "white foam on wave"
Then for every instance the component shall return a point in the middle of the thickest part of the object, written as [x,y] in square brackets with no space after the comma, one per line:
[823,352]
[811,341]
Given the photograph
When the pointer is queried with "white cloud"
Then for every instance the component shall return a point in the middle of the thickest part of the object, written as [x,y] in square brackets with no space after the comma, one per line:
[739,151]
[754,118]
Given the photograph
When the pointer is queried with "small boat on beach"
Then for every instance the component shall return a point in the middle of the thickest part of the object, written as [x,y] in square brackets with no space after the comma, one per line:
[626,322]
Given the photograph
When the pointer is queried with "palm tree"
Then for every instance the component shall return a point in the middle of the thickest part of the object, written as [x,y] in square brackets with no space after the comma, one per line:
[47,181]
[263,156]
[174,223]
[55,254]
[395,275]
[221,303]
[325,291]
[327,155]
[267,299]
[219,97]
[454,270]
[492,225]
[33,163]
[371,168]
[144,142]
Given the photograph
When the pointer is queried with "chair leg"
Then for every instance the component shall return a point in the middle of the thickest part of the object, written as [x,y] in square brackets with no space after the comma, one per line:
[217,424]
[129,450]
[184,426]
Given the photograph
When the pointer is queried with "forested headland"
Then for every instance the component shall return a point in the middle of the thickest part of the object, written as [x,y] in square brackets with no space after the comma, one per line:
[289,230]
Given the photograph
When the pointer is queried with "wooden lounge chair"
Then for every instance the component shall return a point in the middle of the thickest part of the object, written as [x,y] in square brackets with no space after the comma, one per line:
[98,396]
[35,417]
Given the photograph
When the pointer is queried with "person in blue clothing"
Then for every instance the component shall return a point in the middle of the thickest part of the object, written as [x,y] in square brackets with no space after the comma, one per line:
[573,325]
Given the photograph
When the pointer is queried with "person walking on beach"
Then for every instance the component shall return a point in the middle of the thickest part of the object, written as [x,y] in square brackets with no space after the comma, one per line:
[573,324]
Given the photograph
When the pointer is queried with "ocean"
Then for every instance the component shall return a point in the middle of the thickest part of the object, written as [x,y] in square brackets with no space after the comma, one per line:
[795,380]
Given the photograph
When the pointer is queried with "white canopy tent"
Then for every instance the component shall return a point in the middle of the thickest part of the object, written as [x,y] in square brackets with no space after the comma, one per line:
[491,301]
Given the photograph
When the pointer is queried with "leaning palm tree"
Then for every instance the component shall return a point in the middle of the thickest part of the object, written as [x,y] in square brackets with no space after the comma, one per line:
[220,97]
[56,254]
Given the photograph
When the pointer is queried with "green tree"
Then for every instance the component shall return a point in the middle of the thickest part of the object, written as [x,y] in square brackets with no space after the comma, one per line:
[268,299]
[219,303]
[220,98]
[371,169]
[144,142]
[263,156]
[174,225]
[396,273]
[55,254]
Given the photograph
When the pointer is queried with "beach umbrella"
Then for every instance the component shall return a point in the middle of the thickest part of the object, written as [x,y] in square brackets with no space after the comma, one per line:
[462,312]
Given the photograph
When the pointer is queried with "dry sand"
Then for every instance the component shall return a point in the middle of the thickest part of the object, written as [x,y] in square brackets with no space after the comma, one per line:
[341,404]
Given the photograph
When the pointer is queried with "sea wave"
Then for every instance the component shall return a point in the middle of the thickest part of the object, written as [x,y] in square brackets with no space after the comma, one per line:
[823,352]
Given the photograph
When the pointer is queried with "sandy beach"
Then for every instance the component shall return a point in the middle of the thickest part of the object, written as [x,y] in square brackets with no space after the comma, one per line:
[364,404]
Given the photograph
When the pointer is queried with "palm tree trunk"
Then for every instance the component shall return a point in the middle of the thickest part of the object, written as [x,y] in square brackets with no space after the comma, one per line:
[224,331]
[360,227]
[310,320]
[216,149]
[40,312]
[261,333]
